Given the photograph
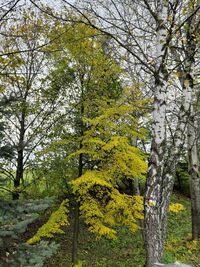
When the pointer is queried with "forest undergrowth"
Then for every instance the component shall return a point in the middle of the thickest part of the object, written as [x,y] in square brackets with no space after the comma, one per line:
[127,250]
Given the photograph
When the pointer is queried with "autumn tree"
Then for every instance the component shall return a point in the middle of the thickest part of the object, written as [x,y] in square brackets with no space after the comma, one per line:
[97,85]
[107,142]
[146,31]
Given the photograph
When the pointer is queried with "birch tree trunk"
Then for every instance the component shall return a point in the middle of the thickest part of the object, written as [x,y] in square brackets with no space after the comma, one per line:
[155,205]
[193,165]
[164,156]
[193,161]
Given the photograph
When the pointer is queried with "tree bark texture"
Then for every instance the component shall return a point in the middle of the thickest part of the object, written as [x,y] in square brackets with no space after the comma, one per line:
[193,161]
[193,164]
[159,178]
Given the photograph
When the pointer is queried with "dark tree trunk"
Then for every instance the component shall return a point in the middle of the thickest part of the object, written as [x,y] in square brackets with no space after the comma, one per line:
[76,220]
[195,202]
[75,234]
[179,181]
[20,159]
[19,174]
[76,207]
[136,187]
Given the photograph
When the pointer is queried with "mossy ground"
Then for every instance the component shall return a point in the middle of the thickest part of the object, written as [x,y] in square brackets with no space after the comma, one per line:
[127,250]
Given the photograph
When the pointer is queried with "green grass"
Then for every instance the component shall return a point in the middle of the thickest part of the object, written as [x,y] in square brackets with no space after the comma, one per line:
[127,250]
[179,246]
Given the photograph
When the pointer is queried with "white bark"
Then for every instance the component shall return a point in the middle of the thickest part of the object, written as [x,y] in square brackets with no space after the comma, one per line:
[193,161]
[192,125]
[193,164]
[155,205]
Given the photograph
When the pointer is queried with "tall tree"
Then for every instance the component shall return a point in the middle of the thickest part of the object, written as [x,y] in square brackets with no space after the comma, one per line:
[31,109]
[189,77]
[95,75]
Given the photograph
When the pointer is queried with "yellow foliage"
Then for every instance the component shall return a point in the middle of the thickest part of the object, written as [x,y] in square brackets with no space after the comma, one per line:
[104,207]
[79,264]
[53,225]
[89,179]
[176,207]
[109,142]
[192,245]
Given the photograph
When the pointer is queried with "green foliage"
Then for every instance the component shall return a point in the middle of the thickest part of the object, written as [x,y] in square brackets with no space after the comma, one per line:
[96,70]
[16,216]
[179,246]
[31,255]
[84,72]
[79,264]
[32,108]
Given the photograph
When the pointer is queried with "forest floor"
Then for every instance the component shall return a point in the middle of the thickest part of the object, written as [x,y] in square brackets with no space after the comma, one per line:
[127,250]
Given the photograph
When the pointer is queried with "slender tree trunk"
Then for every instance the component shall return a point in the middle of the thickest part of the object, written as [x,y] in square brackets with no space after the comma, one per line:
[75,235]
[179,181]
[76,208]
[193,161]
[194,178]
[20,159]
[76,219]
[193,167]
[136,187]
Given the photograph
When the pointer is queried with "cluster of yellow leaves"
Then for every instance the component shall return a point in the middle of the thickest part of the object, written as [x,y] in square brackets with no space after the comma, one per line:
[117,155]
[176,207]
[109,139]
[53,225]
[89,179]
[104,207]
[127,160]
